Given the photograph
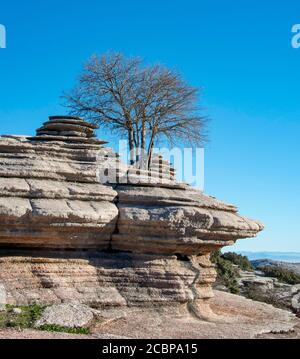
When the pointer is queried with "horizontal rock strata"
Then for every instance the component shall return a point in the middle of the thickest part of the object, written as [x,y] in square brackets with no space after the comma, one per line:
[50,196]
[103,279]
[61,190]
[185,221]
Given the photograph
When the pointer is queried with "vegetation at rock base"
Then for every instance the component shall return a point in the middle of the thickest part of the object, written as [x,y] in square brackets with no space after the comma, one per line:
[20,317]
[60,329]
[241,261]
[227,273]
[25,317]
[282,274]
[228,268]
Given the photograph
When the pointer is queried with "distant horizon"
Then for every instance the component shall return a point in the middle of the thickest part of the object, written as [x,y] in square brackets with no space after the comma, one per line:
[271,252]
[293,257]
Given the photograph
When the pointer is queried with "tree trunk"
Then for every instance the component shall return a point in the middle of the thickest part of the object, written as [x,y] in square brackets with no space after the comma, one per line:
[150,148]
[131,145]
[137,147]
[143,135]
[143,156]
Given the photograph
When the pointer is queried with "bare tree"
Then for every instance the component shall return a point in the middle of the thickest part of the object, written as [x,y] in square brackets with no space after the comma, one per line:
[145,103]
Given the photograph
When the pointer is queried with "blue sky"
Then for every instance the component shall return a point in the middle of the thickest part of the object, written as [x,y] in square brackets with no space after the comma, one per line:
[239,52]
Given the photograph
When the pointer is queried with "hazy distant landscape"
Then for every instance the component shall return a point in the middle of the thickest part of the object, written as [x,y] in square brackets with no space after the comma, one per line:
[292,257]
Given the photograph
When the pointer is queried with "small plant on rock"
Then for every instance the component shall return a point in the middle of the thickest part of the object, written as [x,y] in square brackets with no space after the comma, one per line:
[227,274]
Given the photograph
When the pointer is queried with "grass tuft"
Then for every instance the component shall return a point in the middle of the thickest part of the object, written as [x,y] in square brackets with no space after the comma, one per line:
[60,329]
[26,319]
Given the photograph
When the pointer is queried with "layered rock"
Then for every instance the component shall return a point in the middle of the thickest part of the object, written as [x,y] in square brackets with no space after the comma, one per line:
[61,190]
[98,279]
[255,285]
[245,319]
[50,197]
[66,128]
[163,167]
[171,220]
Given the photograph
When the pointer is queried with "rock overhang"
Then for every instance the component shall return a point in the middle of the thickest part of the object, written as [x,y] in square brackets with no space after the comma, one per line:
[50,189]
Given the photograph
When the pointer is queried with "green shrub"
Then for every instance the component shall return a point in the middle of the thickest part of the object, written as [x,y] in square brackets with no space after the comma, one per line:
[282,274]
[227,274]
[26,319]
[60,329]
[241,261]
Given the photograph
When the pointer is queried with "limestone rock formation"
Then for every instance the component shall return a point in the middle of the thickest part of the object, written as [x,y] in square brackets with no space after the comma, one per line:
[256,285]
[171,220]
[148,237]
[245,319]
[50,196]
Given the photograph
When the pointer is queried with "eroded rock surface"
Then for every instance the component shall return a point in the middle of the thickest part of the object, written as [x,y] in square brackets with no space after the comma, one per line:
[241,319]
[257,286]
[171,220]
[70,315]
[149,237]
[103,279]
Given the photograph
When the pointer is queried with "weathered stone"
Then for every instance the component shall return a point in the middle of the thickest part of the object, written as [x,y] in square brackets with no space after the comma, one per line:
[47,132]
[63,126]
[73,120]
[257,286]
[102,279]
[67,138]
[73,133]
[176,221]
[17,311]
[50,196]
[70,315]
[66,192]
[242,319]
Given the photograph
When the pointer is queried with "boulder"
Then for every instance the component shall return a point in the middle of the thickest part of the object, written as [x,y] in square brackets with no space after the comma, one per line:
[70,315]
